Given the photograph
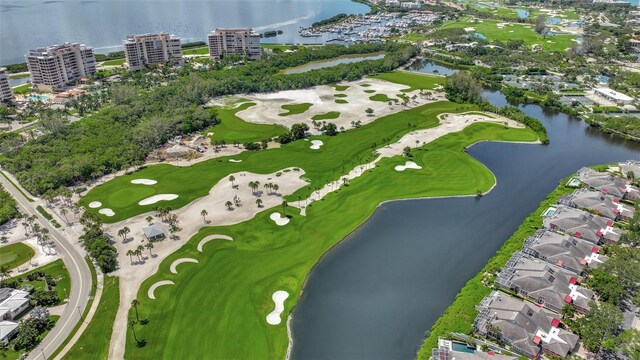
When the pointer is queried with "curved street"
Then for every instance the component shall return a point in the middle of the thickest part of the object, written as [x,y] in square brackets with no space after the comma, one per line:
[73,257]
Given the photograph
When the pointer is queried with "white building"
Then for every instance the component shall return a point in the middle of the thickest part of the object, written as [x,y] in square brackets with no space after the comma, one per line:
[8,330]
[613,96]
[234,42]
[5,89]
[12,303]
[141,50]
[56,66]
[411,5]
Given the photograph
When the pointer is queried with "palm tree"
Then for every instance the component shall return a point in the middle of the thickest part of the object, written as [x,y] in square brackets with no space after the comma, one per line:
[204,214]
[130,253]
[275,188]
[284,209]
[64,213]
[149,246]
[4,272]
[126,231]
[232,179]
[149,219]
[132,325]
[267,186]
[229,205]
[139,250]
[259,203]
[135,303]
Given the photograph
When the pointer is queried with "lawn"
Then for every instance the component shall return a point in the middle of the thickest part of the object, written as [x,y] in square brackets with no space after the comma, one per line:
[327,116]
[101,326]
[116,62]
[380,97]
[19,76]
[340,95]
[413,80]
[523,32]
[232,128]
[241,275]
[55,269]
[196,51]
[15,255]
[340,87]
[295,109]
[341,101]
[22,89]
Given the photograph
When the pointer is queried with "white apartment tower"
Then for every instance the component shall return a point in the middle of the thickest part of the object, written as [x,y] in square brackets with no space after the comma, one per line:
[234,42]
[5,89]
[141,50]
[55,66]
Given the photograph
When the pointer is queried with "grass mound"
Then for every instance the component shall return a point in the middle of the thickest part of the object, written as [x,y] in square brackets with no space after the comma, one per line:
[327,116]
[380,97]
[294,109]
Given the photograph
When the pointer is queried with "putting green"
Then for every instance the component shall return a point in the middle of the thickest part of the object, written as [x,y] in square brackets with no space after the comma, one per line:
[16,254]
[229,294]
[126,197]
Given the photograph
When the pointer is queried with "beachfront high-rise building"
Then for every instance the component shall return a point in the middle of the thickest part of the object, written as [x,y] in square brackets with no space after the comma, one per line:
[5,89]
[234,42]
[56,66]
[141,50]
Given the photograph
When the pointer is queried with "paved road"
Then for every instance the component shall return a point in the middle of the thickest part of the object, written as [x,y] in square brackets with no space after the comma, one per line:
[73,258]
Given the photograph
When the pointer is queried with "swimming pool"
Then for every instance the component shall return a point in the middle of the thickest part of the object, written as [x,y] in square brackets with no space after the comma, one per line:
[549,212]
[573,182]
[37,97]
[456,346]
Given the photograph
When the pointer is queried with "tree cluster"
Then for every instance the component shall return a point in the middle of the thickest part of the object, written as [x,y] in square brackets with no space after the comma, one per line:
[97,244]
[8,208]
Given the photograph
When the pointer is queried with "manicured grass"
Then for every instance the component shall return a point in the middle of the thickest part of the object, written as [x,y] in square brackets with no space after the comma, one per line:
[341,101]
[232,128]
[22,89]
[116,62]
[523,32]
[193,182]
[234,280]
[196,51]
[340,95]
[55,269]
[101,325]
[380,97]
[369,91]
[340,87]
[413,80]
[294,109]
[15,254]
[19,76]
[47,216]
[327,116]
[459,316]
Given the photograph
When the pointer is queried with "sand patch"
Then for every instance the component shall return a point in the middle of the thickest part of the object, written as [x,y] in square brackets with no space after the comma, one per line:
[107,212]
[95,204]
[278,298]
[316,144]
[152,289]
[212,237]
[278,219]
[235,161]
[177,262]
[156,198]
[408,165]
[143,182]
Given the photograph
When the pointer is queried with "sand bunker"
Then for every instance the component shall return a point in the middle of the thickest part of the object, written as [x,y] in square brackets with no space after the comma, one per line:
[153,288]
[408,165]
[143,182]
[278,219]
[107,212]
[95,204]
[174,264]
[212,237]
[155,198]
[315,144]
[235,161]
[278,298]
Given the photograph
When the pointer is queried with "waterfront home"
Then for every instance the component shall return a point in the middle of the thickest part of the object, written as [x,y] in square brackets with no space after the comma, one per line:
[600,203]
[545,284]
[583,225]
[159,48]
[630,167]
[54,67]
[450,349]
[8,330]
[608,184]
[529,329]
[13,302]
[563,250]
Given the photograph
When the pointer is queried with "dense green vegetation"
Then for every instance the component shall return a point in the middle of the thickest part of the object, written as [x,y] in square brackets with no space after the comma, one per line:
[122,134]
[8,208]
[628,125]
[51,283]
[97,243]
[14,255]
[264,258]
[101,325]
[459,316]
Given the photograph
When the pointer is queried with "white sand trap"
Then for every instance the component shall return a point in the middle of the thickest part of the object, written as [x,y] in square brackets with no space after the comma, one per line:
[408,165]
[235,161]
[153,288]
[278,219]
[155,198]
[212,237]
[143,182]
[95,204]
[107,212]
[315,144]
[175,264]
[278,298]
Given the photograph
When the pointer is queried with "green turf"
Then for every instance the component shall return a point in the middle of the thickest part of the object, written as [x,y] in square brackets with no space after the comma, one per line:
[232,128]
[340,95]
[365,85]
[116,62]
[22,89]
[341,101]
[294,109]
[413,80]
[380,97]
[340,87]
[55,269]
[327,116]
[369,91]
[15,254]
[234,280]
[196,51]
[523,32]
[19,76]
[101,325]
